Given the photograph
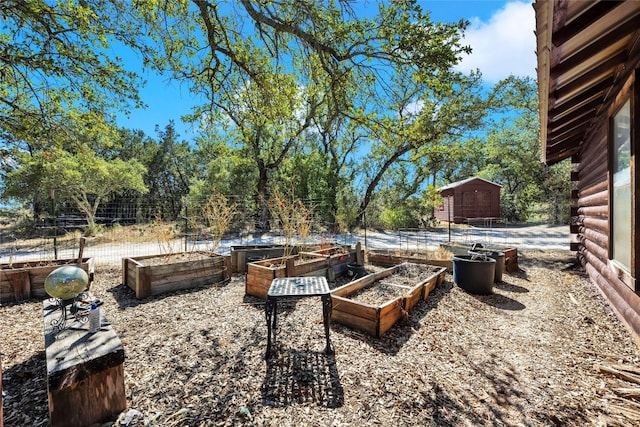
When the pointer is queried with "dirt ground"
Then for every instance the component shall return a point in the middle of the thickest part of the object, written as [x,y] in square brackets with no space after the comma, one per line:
[543,350]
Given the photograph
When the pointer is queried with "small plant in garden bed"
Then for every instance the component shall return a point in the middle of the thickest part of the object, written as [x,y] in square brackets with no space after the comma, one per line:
[148,276]
[218,213]
[293,217]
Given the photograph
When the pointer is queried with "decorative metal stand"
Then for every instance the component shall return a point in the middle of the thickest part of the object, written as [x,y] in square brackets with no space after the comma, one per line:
[79,309]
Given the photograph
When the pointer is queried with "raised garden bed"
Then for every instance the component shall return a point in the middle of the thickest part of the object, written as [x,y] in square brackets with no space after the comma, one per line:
[242,255]
[374,303]
[327,262]
[388,258]
[158,274]
[23,280]
[510,254]
[261,273]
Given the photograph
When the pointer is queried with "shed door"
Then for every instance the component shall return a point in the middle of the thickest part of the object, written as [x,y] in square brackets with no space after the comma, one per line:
[476,204]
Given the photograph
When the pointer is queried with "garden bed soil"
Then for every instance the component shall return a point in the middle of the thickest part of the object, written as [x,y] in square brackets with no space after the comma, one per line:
[543,350]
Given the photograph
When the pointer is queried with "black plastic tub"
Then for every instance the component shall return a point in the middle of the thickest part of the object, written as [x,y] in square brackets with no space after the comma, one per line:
[474,274]
[498,256]
[356,271]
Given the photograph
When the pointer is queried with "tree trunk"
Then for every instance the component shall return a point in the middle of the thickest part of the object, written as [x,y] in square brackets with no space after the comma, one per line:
[263,198]
[368,195]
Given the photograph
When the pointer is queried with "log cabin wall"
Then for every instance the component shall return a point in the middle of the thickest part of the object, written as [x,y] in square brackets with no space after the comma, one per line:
[592,207]
[588,60]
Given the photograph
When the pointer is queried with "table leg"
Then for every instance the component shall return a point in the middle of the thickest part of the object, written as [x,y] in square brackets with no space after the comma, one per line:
[327,306]
[269,313]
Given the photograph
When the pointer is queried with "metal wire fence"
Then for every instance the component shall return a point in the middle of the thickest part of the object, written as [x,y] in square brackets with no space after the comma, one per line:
[117,242]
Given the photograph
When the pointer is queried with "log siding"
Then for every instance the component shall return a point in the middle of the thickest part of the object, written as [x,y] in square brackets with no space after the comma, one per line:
[588,67]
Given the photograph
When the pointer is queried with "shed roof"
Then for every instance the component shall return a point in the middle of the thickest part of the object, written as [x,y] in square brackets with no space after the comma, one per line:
[465,181]
[585,51]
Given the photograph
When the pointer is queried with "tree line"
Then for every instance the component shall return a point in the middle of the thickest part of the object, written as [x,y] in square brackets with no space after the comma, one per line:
[363,116]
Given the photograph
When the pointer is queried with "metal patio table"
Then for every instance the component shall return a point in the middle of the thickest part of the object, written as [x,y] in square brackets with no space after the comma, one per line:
[285,288]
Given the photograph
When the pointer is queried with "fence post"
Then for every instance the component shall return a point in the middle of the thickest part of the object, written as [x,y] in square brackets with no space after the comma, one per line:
[55,223]
[186,225]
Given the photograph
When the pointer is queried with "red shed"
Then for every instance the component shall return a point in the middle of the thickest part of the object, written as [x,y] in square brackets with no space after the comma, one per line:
[468,199]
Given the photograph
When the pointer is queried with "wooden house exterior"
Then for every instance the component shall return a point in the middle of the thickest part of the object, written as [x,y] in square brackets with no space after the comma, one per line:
[589,91]
[469,199]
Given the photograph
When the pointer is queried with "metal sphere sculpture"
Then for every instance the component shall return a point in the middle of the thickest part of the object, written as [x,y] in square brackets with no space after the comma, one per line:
[66,282]
[66,286]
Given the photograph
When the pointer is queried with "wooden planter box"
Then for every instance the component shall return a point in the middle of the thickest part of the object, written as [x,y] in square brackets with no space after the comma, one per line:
[510,254]
[391,258]
[328,262]
[261,273]
[339,257]
[23,280]
[378,319]
[241,255]
[158,274]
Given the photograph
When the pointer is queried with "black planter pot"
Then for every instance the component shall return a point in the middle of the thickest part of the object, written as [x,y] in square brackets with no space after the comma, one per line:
[356,271]
[474,274]
[497,255]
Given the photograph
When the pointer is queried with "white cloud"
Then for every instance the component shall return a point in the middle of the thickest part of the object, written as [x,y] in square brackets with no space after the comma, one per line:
[503,46]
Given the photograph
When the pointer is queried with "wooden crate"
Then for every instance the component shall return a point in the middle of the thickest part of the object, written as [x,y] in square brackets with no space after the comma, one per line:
[339,257]
[329,262]
[261,273]
[241,255]
[23,280]
[152,275]
[376,320]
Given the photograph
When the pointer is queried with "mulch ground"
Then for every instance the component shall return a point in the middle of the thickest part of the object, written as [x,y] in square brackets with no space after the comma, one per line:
[543,350]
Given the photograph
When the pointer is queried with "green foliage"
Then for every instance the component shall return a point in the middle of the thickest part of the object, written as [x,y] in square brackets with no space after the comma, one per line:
[358,114]
[301,64]
[92,230]
[556,193]
[83,177]
[57,61]
[400,217]
[512,149]
[347,209]
[430,201]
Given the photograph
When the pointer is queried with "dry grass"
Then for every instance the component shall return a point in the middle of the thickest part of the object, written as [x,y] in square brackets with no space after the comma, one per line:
[528,355]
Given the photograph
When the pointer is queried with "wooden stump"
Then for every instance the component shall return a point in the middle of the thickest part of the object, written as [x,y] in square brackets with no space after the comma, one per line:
[85,374]
[1,400]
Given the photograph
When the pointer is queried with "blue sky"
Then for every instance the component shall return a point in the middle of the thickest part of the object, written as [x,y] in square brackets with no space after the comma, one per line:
[501,36]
